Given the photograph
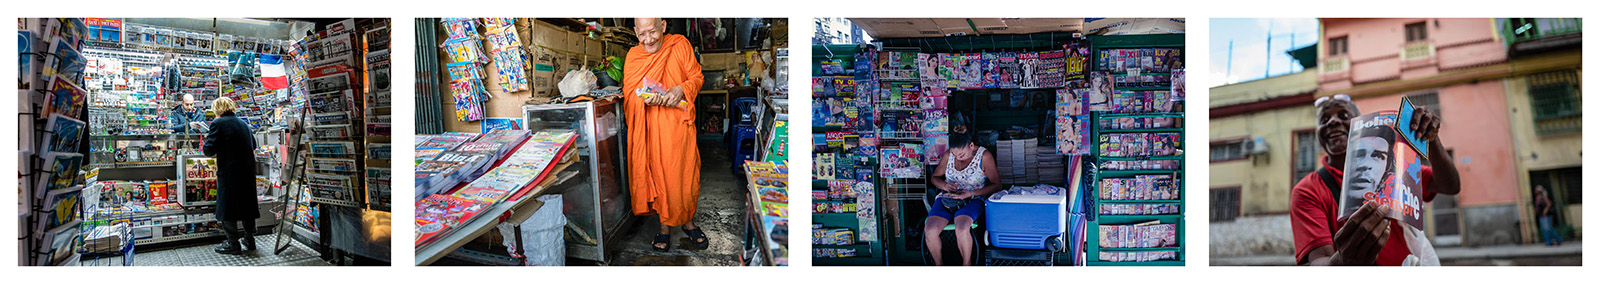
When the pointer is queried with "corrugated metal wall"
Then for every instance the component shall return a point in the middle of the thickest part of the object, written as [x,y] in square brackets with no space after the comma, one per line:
[430,118]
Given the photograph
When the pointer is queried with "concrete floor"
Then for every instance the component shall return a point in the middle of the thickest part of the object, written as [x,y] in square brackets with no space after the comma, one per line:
[201,254]
[720,215]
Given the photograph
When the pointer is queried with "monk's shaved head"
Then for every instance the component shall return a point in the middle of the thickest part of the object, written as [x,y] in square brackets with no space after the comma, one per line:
[649,31]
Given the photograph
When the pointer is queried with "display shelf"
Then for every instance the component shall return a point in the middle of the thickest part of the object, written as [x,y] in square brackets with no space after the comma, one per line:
[1129,173]
[1148,158]
[1092,246]
[184,237]
[1104,201]
[1141,130]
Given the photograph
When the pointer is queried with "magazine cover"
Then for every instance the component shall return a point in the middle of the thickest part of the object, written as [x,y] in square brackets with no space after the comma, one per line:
[823,168]
[62,243]
[66,61]
[61,207]
[496,185]
[1407,110]
[332,149]
[937,143]
[1077,65]
[903,162]
[1100,91]
[64,98]
[1379,168]
[25,57]
[65,134]
[500,123]
[378,79]
[438,214]
[1177,85]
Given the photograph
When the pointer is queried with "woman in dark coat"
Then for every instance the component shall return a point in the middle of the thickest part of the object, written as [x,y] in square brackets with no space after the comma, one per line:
[231,142]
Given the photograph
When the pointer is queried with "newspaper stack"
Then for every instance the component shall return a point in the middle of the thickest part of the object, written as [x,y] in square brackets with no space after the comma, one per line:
[1017,159]
[1050,167]
[106,239]
[1003,161]
[1030,155]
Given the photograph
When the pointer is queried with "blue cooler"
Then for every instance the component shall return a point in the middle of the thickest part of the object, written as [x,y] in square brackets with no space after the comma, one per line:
[1026,221]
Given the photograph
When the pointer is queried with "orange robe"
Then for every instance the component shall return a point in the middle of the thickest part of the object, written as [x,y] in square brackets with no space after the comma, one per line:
[663,161]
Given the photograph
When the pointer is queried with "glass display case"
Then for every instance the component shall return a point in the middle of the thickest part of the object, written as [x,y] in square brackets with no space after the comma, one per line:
[596,202]
[135,151]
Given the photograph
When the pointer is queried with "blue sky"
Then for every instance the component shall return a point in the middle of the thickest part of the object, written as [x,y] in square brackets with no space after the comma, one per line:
[1250,50]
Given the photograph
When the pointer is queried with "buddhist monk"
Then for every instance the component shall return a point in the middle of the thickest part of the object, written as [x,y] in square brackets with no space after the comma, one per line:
[663,163]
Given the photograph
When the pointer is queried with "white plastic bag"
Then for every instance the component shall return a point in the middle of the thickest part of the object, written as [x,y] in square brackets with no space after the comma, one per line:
[577,82]
[543,239]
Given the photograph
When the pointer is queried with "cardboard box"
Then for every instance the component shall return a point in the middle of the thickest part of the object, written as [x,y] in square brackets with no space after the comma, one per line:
[594,47]
[719,61]
[898,27]
[549,36]
[617,49]
[576,42]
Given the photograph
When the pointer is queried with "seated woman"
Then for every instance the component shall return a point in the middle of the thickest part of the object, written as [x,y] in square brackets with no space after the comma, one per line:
[966,175]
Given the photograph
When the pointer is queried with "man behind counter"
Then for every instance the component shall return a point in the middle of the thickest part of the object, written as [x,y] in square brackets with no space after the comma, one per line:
[187,119]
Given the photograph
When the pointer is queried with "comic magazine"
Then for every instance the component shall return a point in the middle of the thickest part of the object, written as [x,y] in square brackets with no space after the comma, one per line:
[67,61]
[824,166]
[65,98]
[439,214]
[65,134]
[1379,168]
[61,207]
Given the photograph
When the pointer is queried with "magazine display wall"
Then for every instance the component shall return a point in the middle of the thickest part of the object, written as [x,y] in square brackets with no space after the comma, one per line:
[345,93]
[1137,203]
[844,222]
[51,155]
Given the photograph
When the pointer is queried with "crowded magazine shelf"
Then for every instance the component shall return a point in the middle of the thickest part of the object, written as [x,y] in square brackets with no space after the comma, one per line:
[1137,229]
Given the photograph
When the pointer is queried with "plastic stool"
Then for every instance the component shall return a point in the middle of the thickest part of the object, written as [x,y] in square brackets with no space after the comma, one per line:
[741,151]
[744,108]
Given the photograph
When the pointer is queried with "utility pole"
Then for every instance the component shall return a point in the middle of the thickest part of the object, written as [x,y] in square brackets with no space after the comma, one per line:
[1269,51]
[1230,61]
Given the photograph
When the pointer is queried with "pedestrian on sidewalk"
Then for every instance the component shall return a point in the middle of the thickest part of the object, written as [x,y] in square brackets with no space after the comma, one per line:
[1542,205]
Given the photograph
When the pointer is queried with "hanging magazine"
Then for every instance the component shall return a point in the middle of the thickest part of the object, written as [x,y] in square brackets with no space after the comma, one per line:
[1380,168]
[64,134]
[65,98]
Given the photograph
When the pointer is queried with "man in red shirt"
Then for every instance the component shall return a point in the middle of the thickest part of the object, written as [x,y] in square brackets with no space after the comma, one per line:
[1365,237]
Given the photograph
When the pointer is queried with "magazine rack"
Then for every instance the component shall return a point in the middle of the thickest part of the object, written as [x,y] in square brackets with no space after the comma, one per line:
[33,248]
[867,252]
[1091,244]
[1092,231]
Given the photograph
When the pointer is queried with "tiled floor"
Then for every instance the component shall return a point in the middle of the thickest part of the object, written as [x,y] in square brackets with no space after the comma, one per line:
[202,255]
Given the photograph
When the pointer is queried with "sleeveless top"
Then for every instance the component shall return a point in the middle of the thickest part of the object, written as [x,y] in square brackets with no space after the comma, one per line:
[969,178]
